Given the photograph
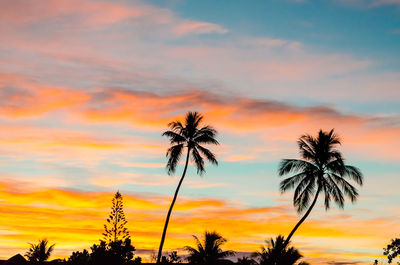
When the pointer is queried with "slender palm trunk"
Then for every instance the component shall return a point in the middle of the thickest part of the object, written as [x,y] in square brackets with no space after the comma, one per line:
[170,208]
[302,219]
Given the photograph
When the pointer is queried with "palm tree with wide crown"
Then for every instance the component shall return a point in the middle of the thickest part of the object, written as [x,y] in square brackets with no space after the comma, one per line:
[321,170]
[191,137]
[278,252]
[40,252]
[208,252]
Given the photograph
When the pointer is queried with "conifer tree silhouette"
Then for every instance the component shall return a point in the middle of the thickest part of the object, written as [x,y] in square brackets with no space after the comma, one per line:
[115,228]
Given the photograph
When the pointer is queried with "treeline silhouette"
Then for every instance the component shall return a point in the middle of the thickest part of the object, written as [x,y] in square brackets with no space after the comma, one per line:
[319,172]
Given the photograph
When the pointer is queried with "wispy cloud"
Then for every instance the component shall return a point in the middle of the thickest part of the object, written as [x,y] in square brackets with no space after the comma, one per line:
[150,111]
[199,28]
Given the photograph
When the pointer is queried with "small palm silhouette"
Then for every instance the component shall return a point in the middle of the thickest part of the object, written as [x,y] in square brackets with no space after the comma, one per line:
[40,252]
[209,251]
[278,252]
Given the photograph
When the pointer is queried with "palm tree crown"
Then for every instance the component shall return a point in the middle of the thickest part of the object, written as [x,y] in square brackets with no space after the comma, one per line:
[209,251]
[278,252]
[191,136]
[40,252]
[321,169]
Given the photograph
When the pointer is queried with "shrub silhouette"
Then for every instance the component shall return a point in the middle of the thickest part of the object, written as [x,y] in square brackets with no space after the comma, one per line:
[171,258]
[79,258]
[116,253]
[246,261]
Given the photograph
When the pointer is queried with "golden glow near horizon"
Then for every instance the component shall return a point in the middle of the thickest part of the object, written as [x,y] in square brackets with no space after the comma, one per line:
[73,220]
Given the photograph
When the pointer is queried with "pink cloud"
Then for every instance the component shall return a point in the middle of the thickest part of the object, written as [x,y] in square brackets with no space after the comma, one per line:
[270,120]
[86,11]
[199,28]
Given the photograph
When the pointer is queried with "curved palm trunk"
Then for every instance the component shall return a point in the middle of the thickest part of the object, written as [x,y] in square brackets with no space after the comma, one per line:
[302,219]
[170,208]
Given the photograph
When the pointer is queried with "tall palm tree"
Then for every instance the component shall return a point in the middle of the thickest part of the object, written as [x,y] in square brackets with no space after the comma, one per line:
[278,252]
[189,136]
[321,170]
[40,252]
[209,251]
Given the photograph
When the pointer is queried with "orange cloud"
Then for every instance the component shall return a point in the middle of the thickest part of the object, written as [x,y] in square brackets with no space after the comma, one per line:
[276,124]
[21,97]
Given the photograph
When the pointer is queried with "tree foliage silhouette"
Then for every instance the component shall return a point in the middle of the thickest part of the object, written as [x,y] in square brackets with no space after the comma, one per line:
[278,252]
[246,261]
[209,251]
[190,136]
[392,250]
[79,258]
[115,228]
[116,253]
[321,170]
[40,252]
[171,258]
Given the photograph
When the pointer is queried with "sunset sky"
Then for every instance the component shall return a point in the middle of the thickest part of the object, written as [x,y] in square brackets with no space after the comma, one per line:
[87,87]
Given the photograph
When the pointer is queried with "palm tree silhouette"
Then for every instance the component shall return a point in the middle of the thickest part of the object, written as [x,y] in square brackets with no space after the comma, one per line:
[209,251]
[40,252]
[278,252]
[190,136]
[321,169]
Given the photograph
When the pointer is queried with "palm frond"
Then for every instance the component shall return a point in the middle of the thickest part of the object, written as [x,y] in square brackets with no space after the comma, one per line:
[302,200]
[208,154]
[349,190]
[174,137]
[333,138]
[206,130]
[294,165]
[176,126]
[174,154]
[306,145]
[336,166]
[290,182]
[354,173]
[205,139]
[333,191]
[198,160]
